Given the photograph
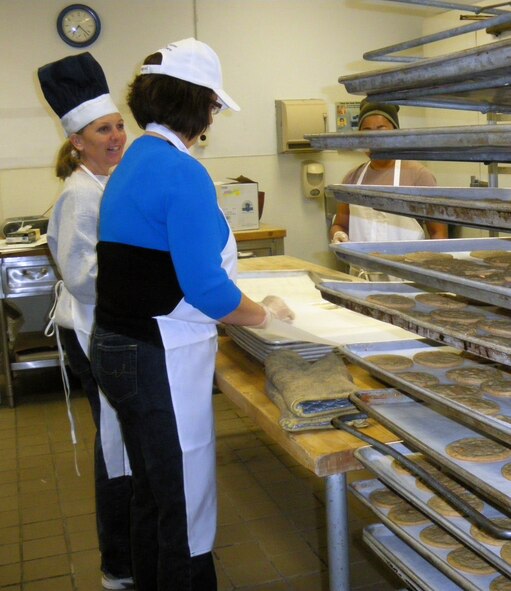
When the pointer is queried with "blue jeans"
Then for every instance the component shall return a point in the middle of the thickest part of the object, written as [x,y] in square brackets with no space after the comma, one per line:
[113,495]
[133,376]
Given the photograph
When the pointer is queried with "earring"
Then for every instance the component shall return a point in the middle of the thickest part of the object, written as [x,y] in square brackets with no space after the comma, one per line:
[75,154]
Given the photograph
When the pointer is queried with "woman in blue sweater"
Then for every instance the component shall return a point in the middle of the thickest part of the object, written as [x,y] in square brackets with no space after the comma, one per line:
[161,294]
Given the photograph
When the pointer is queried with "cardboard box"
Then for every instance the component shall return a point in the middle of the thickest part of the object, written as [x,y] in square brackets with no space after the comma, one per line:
[239,202]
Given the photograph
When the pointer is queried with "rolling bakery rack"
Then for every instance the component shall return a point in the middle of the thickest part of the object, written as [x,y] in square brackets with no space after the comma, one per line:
[445,520]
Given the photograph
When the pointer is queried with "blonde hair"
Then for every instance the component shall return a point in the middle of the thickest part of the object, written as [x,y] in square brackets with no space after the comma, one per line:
[68,160]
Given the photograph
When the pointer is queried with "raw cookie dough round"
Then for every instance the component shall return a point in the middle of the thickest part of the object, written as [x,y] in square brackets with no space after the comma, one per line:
[390,362]
[438,359]
[391,300]
[456,390]
[477,449]
[435,536]
[500,583]
[485,254]
[420,256]
[405,514]
[416,458]
[505,552]
[385,498]
[498,327]
[497,387]
[486,538]
[472,376]
[444,508]
[438,300]
[506,471]
[419,378]
[468,561]
[459,316]
[478,404]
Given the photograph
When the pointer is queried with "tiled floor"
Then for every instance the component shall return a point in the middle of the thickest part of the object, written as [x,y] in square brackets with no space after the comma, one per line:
[271,534]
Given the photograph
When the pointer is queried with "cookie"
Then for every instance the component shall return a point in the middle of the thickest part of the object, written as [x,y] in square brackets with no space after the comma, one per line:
[437,300]
[389,257]
[466,330]
[438,538]
[472,376]
[456,390]
[405,514]
[416,458]
[501,260]
[441,506]
[467,561]
[421,256]
[485,254]
[477,449]
[384,498]
[390,362]
[391,300]
[419,378]
[437,359]
[485,407]
[497,387]
[505,552]
[486,538]
[500,583]
[504,418]
[459,316]
[498,327]
[506,471]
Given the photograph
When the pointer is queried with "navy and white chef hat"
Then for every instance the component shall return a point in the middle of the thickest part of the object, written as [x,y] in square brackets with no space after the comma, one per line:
[76,89]
[195,62]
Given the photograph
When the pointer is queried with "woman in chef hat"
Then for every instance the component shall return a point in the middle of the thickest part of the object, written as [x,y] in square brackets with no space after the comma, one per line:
[161,293]
[76,89]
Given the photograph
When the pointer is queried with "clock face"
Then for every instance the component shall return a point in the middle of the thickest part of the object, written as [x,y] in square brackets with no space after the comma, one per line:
[78,25]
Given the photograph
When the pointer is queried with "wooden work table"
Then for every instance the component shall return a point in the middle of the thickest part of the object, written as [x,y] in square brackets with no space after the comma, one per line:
[327,453]
[266,240]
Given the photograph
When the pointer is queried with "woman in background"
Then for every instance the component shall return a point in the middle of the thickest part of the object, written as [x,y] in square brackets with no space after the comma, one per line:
[76,89]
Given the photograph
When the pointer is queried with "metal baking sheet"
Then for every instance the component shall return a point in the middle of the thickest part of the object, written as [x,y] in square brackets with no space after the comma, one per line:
[353,296]
[405,484]
[488,424]
[411,567]
[430,432]
[476,207]
[362,489]
[479,76]
[362,255]
[470,143]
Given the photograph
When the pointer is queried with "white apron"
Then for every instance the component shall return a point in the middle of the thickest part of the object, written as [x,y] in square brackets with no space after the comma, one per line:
[370,225]
[190,341]
[112,442]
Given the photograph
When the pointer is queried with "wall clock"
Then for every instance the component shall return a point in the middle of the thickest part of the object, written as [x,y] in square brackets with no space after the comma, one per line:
[78,25]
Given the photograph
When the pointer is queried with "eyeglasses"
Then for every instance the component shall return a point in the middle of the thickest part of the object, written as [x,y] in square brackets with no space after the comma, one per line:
[215,108]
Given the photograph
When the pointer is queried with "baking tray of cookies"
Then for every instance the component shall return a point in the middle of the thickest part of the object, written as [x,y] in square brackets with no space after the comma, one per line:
[482,330]
[476,207]
[480,462]
[412,489]
[460,564]
[416,572]
[464,266]
[456,386]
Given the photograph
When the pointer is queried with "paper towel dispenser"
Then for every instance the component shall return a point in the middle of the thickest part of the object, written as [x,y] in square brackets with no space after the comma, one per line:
[298,117]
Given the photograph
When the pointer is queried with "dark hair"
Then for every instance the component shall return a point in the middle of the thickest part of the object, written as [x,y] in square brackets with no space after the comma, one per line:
[68,160]
[182,106]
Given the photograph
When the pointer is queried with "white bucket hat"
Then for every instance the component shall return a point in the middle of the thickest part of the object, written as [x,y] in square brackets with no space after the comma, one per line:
[195,62]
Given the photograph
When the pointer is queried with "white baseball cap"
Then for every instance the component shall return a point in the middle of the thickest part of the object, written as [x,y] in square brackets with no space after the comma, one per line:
[195,62]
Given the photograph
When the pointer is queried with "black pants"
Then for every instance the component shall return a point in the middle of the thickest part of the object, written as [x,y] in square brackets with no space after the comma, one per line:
[113,495]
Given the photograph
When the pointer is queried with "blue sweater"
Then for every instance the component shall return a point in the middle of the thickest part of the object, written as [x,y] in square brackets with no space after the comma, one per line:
[161,235]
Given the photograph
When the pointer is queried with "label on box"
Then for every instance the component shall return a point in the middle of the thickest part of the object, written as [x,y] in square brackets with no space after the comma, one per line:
[239,202]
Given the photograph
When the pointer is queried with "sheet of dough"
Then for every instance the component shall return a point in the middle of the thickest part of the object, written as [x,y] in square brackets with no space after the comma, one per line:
[317,320]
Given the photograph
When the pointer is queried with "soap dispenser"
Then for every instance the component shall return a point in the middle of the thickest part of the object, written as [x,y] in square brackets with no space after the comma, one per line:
[313,179]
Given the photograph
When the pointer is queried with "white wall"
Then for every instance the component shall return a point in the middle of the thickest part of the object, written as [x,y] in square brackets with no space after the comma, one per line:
[270,49]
